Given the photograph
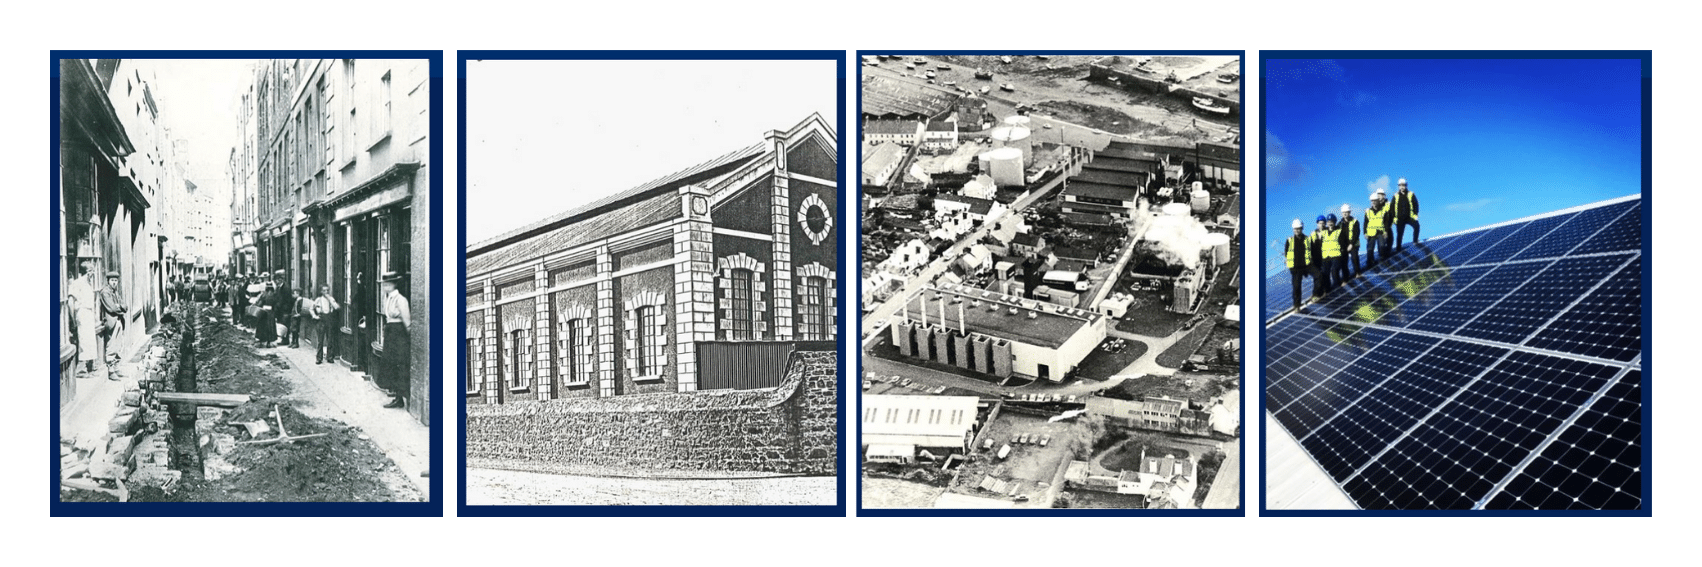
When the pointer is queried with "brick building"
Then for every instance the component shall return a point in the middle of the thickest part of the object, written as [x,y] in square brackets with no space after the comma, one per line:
[706,279]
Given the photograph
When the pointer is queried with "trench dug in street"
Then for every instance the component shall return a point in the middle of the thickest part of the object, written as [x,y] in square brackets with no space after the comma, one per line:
[211,418]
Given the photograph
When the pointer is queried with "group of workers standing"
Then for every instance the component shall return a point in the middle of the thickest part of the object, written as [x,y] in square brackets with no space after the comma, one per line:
[1330,255]
[280,317]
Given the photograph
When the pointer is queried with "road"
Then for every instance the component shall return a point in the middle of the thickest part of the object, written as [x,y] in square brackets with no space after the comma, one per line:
[503,487]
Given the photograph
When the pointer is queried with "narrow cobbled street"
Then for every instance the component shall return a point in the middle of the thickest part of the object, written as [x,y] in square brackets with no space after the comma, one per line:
[335,442]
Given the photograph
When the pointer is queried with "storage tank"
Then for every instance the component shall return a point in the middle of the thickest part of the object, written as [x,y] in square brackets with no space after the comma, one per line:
[1176,210]
[1020,121]
[1015,137]
[1218,243]
[1201,198]
[1005,165]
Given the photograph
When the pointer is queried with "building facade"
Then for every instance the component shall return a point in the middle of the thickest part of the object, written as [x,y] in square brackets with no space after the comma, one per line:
[706,279]
[117,163]
[341,195]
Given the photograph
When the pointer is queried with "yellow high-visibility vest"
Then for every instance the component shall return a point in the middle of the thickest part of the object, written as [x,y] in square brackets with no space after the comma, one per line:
[1296,243]
[1332,244]
[1410,199]
[1377,220]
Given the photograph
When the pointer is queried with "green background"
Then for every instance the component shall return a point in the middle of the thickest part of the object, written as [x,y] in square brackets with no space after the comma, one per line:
[33,29]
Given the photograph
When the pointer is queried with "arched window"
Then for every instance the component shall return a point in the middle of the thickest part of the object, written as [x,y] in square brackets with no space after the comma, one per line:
[651,356]
[743,304]
[813,310]
[517,359]
[576,351]
[741,311]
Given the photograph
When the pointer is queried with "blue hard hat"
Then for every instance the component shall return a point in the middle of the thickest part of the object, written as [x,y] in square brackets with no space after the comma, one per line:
[1322,218]
[1331,216]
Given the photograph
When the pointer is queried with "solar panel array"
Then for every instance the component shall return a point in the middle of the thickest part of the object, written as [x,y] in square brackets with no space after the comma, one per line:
[1499,368]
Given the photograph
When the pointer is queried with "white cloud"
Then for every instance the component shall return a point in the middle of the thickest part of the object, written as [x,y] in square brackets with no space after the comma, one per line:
[1381,182]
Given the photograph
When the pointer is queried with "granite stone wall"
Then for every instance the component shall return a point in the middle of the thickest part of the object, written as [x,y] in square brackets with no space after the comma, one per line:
[791,428]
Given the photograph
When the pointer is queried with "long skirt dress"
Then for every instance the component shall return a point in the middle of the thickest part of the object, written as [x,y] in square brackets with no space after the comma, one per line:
[266,328]
[395,375]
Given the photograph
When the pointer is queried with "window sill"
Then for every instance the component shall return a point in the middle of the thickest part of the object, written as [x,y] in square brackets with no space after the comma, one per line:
[520,390]
[382,138]
[648,378]
[474,392]
[576,384]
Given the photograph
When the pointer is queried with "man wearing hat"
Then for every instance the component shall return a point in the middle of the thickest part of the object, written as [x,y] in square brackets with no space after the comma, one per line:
[1315,251]
[1294,251]
[1377,225]
[266,313]
[112,318]
[1406,212]
[1350,244]
[397,320]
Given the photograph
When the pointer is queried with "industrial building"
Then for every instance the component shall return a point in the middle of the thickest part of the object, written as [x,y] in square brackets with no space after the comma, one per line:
[996,334]
[894,428]
[708,278]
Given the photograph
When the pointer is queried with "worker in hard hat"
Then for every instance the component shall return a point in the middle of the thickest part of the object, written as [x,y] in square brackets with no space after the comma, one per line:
[1318,265]
[1332,248]
[1378,219]
[1294,251]
[1350,232]
[1406,212]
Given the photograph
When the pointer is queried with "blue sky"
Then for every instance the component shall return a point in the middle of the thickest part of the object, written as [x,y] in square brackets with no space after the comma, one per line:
[1481,141]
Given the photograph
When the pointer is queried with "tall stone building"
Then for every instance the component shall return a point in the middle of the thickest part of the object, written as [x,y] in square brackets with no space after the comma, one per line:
[341,162]
[706,279]
[116,161]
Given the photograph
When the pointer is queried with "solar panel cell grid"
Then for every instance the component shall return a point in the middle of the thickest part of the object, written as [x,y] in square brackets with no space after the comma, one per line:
[1606,323]
[1523,410]
[1574,231]
[1622,235]
[1519,314]
[1595,464]
[1524,235]
[1474,299]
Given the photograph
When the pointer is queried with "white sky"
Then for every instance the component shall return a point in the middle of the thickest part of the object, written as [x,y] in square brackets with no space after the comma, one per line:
[544,137]
[199,100]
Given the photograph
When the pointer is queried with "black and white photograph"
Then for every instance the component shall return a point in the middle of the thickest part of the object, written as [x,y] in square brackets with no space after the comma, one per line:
[1050,281]
[652,308]
[243,265]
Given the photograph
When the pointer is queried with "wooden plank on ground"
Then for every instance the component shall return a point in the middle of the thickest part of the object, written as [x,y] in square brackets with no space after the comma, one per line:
[223,400]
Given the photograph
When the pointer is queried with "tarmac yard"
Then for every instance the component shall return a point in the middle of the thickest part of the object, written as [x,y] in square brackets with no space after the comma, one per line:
[1037,470]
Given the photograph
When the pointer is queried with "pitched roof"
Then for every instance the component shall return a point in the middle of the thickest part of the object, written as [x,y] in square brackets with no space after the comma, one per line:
[639,206]
[976,205]
[890,126]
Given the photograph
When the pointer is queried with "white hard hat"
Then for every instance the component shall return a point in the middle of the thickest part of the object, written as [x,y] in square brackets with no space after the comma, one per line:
[1297,224]
[1380,193]
[1403,181]
[1346,209]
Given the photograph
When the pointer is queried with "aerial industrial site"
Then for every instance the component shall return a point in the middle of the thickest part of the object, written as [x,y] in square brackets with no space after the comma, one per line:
[1050,281]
